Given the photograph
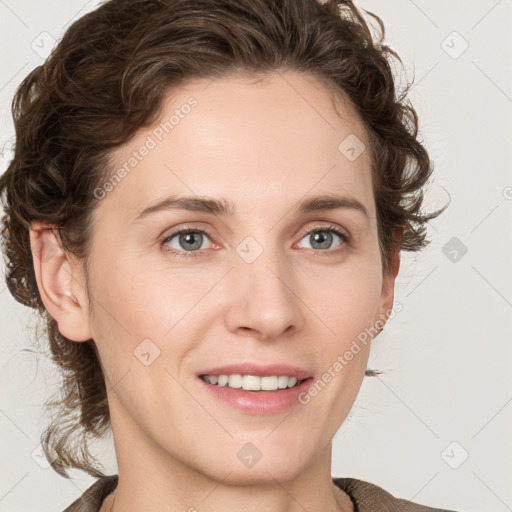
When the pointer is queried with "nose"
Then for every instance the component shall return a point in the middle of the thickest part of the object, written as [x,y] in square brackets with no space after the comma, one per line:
[263,304]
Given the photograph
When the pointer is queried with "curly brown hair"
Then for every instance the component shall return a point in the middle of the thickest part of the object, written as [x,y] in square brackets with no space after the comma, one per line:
[107,78]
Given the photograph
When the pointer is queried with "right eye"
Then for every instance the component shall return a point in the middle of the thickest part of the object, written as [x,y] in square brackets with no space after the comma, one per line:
[188,240]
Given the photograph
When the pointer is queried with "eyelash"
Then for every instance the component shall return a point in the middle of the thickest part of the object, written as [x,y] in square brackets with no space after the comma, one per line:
[194,254]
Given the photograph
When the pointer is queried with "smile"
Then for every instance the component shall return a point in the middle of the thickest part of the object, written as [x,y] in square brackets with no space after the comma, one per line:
[253,382]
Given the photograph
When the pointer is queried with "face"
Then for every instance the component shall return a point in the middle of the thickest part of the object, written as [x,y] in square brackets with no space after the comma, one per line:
[260,275]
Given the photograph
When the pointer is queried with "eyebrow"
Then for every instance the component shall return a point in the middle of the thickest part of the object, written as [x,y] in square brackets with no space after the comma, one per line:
[225,208]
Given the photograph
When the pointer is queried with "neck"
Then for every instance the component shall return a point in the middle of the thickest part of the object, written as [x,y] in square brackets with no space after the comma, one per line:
[340,503]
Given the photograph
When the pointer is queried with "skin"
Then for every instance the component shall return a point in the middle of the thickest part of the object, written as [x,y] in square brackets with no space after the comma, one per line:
[265,146]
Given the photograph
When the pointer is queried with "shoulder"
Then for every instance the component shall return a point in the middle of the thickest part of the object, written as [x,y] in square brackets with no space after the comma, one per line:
[369,497]
[93,497]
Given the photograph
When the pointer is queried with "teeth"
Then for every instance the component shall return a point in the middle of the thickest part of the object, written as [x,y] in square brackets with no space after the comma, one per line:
[252,382]
[235,381]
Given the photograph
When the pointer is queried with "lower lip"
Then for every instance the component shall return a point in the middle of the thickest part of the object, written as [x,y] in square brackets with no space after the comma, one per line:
[259,402]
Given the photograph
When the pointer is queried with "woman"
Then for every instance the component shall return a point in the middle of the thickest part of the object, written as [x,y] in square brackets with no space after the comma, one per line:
[206,204]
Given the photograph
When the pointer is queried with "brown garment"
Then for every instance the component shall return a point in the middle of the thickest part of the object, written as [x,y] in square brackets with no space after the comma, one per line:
[366,497]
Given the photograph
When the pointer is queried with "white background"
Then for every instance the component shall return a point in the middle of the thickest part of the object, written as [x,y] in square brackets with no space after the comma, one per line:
[447,354]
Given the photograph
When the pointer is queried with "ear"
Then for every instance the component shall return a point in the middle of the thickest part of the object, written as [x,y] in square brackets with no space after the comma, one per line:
[388,282]
[61,282]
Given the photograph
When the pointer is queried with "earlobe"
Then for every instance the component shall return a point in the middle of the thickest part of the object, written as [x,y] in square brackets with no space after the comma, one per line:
[60,282]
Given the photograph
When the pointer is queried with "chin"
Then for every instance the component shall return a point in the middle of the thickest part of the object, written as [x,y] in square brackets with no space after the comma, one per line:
[260,474]
[256,460]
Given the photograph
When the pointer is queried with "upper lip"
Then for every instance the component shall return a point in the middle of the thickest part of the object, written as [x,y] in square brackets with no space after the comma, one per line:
[259,370]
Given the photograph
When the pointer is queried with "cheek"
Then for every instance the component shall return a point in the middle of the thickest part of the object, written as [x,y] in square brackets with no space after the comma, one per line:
[150,302]
[344,299]
[144,299]
[180,303]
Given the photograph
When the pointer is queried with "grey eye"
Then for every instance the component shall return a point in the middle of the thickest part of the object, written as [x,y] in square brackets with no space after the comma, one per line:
[321,238]
[187,240]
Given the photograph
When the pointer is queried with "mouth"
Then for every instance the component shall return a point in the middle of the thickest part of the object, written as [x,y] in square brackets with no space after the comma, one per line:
[255,389]
[253,382]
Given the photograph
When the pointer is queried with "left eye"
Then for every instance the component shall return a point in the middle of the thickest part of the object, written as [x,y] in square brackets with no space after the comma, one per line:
[322,238]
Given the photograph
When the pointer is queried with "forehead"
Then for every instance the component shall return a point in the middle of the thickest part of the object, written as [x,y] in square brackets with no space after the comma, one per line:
[251,140]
